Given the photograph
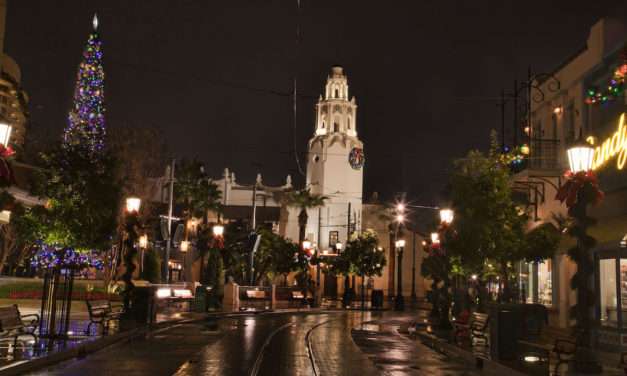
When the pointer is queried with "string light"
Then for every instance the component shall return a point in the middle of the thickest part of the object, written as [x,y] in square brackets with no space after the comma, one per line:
[613,90]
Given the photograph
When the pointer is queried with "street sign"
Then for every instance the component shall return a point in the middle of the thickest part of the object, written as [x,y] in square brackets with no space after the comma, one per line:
[178,234]
[165,231]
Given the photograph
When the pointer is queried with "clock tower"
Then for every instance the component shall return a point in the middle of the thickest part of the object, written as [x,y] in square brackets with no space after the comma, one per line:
[335,165]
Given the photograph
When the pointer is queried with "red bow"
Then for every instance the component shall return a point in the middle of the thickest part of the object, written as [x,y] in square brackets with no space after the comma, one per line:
[568,191]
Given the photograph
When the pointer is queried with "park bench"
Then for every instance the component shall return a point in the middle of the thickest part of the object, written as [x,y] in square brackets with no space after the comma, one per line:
[479,337]
[13,324]
[461,328]
[565,351]
[255,294]
[101,312]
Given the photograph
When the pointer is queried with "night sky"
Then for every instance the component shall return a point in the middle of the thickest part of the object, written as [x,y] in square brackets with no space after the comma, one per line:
[215,76]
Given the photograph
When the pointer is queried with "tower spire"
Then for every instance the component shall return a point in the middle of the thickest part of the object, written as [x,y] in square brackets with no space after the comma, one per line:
[95,22]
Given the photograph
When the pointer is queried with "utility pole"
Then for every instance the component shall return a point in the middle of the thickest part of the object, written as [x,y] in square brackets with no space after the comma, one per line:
[165,265]
[253,235]
[502,105]
[515,113]
[414,299]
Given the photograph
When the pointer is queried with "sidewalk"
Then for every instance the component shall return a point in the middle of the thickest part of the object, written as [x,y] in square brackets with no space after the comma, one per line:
[30,354]
[543,345]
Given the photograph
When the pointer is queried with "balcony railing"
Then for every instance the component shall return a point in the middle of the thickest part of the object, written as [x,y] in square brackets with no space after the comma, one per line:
[544,154]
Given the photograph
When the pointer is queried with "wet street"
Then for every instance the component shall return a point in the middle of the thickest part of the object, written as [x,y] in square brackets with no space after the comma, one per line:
[333,343]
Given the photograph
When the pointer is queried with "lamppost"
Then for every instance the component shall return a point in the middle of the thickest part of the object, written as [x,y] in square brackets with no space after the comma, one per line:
[131,223]
[5,134]
[579,191]
[143,244]
[399,302]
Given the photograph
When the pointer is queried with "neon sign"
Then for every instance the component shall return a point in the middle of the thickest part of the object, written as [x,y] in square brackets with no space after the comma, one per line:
[615,145]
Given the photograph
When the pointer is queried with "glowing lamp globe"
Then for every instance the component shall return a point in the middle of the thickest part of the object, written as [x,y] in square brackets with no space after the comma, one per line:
[143,241]
[184,246]
[5,133]
[218,230]
[400,243]
[435,238]
[132,204]
[306,244]
[446,216]
[338,246]
[580,157]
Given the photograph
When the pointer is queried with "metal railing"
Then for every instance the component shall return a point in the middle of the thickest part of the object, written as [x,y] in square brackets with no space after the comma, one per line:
[544,154]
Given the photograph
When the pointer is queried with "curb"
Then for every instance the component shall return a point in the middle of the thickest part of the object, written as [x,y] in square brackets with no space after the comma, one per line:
[490,367]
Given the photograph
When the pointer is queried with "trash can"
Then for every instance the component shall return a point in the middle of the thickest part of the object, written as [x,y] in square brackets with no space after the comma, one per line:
[201,299]
[143,307]
[376,299]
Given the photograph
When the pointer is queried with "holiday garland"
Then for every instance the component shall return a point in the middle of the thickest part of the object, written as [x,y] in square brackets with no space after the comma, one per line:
[49,256]
[614,89]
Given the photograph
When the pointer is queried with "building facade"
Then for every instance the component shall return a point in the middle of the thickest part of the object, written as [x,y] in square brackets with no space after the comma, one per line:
[13,99]
[588,103]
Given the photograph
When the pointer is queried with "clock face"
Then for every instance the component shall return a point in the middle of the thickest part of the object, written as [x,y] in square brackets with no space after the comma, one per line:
[356,158]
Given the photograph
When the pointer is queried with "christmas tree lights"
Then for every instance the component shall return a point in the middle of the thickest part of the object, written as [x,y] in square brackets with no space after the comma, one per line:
[50,256]
[86,122]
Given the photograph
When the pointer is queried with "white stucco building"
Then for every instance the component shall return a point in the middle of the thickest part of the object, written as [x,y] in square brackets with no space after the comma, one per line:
[335,165]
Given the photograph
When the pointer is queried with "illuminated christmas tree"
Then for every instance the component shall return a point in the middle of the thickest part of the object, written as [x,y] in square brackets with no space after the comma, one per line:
[86,122]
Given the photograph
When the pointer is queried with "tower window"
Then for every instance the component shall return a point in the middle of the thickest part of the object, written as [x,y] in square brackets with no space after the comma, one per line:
[336,127]
[337,93]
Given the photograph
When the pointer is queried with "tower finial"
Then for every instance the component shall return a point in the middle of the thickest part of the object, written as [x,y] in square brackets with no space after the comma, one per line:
[95,21]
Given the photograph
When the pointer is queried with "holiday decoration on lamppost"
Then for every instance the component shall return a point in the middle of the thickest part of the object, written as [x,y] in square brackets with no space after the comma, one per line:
[131,226]
[6,172]
[399,301]
[578,192]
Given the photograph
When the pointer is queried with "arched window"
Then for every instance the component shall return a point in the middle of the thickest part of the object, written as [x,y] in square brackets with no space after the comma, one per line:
[323,125]
[336,127]
[337,93]
[348,122]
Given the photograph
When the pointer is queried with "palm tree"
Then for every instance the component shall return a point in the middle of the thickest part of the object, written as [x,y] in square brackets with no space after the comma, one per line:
[198,195]
[304,200]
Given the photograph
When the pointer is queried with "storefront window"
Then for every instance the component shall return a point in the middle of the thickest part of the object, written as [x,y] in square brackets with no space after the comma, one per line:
[536,282]
[545,283]
[607,288]
[623,290]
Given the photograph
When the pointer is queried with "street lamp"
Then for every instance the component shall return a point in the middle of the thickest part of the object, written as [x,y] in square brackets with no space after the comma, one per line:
[338,247]
[579,191]
[306,245]
[5,134]
[435,238]
[133,204]
[218,230]
[399,302]
[580,157]
[184,245]
[446,216]
[143,241]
